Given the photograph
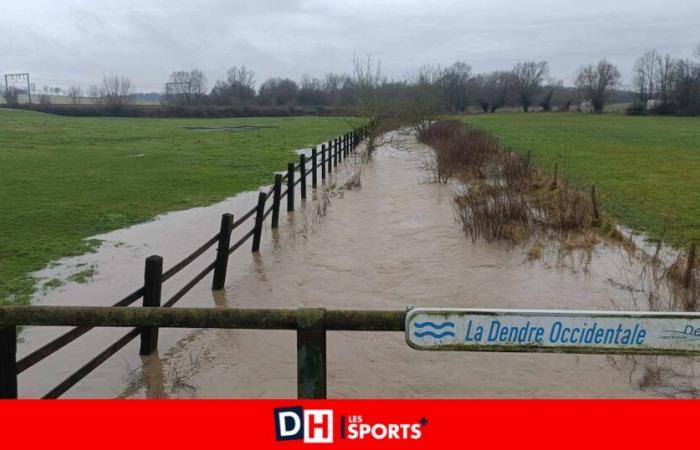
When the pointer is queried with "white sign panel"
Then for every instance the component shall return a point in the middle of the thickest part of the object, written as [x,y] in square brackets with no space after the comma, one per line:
[553,331]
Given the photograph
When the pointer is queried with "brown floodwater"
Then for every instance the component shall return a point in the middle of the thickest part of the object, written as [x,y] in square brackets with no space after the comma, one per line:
[387,244]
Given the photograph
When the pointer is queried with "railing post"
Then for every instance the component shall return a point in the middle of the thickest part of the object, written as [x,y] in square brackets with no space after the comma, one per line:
[345,145]
[276,200]
[314,162]
[259,215]
[323,161]
[152,283]
[340,150]
[335,152]
[302,174]
[311,353]
[330,157]
[222,252]
[8,362]
[290,187]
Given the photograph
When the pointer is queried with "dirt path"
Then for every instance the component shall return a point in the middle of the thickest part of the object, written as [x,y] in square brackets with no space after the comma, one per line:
[390,244]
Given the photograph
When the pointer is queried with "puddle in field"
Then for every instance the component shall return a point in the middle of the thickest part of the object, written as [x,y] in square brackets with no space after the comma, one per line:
[387,243]
[231,128]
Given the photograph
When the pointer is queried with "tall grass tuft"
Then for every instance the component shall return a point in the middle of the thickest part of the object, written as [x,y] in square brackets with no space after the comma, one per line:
[502,198]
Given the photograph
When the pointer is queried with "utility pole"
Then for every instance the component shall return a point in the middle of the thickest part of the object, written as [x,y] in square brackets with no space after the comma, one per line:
[18,76]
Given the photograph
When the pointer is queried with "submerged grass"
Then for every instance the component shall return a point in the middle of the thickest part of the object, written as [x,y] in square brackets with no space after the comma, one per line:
[65,179]
[646,169]
[502,199]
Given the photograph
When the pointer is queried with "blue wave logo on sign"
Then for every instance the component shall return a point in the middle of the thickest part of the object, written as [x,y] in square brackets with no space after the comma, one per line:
[434,330]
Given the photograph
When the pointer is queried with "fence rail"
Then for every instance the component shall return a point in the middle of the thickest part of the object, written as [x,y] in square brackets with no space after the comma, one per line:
[154,277]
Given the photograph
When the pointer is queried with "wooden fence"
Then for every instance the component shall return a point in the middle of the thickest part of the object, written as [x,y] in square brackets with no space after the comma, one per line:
[327,160]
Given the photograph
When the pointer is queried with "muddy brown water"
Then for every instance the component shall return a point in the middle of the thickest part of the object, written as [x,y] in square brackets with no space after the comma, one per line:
[392,242]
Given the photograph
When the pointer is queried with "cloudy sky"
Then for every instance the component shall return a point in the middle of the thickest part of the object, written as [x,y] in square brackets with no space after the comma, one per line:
[63,42]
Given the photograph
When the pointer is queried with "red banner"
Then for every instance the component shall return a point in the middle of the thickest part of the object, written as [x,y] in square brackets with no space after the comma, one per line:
[458,424]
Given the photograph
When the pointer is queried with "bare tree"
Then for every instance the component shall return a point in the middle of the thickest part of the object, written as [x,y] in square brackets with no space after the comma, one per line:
[373,106]
[277,92]
[198,86]
[74,93]
[491,90]
[549,90]
[425,100]
[240,75]
[333,85]
[596,82]
[239,87]
[686,88]
[94,94]
[311,91]
[646,77]
[454,81]
[665,70]
[185,88]
[527,81]
[116,91]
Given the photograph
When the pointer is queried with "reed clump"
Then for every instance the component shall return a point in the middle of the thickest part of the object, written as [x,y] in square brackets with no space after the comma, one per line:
[503,197]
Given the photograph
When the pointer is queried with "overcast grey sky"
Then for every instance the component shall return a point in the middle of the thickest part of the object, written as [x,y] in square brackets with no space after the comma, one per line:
[70,41]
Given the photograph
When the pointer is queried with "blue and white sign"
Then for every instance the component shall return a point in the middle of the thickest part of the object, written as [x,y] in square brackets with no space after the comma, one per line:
[553,331]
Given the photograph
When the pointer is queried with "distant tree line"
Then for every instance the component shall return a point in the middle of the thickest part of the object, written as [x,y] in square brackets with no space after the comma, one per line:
[661,84]
[666,85]
[453,88]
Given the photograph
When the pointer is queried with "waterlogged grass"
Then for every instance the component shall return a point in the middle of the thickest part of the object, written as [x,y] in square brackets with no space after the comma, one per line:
[65,179]
[646,169]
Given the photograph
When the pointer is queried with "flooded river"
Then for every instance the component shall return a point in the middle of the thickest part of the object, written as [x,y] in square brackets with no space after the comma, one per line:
[389,243]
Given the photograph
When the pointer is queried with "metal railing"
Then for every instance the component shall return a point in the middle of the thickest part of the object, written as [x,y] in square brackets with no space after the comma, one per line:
[336,150]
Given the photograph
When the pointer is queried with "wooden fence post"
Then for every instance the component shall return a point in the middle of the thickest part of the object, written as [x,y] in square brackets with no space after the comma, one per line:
[290,187]
[335,152]
[340,150]
[8,362]
[330,157]
[596,213]
[311,353]
[276,200]
[259,215]
[152,283]
[222,252]
[302,174]
[314,162]
[555,183]
[528,159]
[323,161]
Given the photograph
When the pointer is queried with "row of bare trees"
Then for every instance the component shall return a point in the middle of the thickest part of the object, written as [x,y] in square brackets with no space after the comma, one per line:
[455,87]
[115,91]
[667,85]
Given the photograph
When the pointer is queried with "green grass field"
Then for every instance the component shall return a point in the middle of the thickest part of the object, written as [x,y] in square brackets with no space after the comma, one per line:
[646,169]
[66,179]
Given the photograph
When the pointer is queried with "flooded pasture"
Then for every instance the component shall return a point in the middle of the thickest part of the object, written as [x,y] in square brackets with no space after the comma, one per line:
[374,236]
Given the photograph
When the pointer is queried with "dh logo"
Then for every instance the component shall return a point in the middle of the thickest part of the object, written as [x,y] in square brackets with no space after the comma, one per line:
[314,426]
